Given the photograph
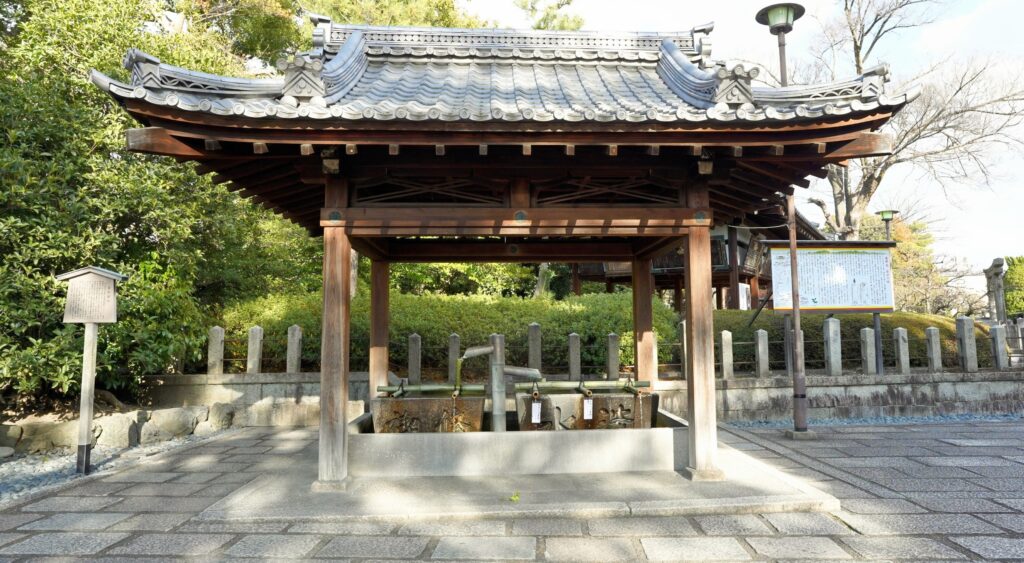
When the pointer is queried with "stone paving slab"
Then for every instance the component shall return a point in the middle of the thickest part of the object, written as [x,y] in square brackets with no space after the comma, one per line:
[156,510]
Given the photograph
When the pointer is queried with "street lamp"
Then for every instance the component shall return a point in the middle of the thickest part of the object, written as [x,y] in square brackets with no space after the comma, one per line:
[779,18]
[887,216]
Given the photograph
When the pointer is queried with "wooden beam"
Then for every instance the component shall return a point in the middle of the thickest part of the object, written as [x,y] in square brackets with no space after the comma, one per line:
[157,140]
[589,221]
[431,250]
[379,273]
[657,248]
[334,338]
[645,347]
[775,172]
[520,193]
[211,144]
[700,374]
[734,269]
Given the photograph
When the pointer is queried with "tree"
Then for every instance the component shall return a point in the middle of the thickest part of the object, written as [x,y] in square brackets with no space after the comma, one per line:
[256,28]
[549,14]
[965,115]
[438,13]
[1013,283]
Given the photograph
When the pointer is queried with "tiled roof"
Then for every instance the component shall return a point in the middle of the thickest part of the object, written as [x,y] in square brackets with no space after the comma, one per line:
[372,73]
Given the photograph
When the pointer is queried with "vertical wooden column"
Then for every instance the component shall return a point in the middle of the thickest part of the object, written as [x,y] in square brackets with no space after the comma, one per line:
[677,295]
[609,286]
[334,356]
[700,381]
[577,284]
[734,270]
[379,313]
[755,292]
[643,321]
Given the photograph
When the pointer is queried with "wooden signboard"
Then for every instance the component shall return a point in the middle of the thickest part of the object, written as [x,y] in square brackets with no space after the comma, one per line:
[835,276]
[92,299]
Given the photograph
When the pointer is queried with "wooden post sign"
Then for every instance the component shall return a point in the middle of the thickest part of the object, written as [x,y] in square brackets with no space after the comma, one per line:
[92,299]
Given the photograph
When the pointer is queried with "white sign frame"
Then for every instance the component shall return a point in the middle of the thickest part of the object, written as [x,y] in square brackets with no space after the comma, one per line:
[835,277]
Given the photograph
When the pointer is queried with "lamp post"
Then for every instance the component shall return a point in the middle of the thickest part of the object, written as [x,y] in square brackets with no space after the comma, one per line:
[779,18]
[887,216]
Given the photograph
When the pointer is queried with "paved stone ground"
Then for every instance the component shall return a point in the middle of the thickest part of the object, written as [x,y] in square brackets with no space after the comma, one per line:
[914,492]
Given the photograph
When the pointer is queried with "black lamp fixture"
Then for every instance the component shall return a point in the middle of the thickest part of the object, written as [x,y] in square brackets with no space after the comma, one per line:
[779,18]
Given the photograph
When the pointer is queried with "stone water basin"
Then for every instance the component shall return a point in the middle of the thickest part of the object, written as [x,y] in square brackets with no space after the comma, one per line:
[418,414]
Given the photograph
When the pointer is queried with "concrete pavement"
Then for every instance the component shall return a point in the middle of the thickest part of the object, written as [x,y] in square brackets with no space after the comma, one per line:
[912,492]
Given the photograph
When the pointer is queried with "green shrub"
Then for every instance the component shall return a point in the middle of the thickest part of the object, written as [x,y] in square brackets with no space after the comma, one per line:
[472,317]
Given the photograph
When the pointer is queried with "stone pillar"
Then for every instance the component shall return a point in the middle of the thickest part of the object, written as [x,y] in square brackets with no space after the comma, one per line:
[833,347]
[498,383]
[1000,358]
[683,350]
[966,347]
[901,347]
[612,368]
[379,321]
[996,291]
[725,343]
[867,351]
[933,348]
[761,366]
[415,359]
[575,370]
[254,359]
[534,350]
[215,351]
[293,358]
[454,351]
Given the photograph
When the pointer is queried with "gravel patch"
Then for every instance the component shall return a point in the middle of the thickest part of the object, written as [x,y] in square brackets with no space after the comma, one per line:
[26,474]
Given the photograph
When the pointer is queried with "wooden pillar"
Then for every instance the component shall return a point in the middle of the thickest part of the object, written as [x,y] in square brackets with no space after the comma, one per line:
[677,295]
[700,381]
[643,321]
[577,284]
[609,286]
[719,297]
[734,270]
[379,273]
[334,356]
[755,292]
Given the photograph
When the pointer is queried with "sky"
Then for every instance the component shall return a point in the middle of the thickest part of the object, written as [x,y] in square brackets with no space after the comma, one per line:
[973,221]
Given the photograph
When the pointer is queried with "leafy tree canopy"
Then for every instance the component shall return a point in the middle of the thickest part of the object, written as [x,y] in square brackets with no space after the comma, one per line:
[1014,284]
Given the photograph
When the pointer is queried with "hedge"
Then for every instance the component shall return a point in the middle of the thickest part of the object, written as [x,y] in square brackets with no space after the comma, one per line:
[472,317]
[592,316]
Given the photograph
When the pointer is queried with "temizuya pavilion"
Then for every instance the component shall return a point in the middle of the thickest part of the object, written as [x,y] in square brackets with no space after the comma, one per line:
[419,144]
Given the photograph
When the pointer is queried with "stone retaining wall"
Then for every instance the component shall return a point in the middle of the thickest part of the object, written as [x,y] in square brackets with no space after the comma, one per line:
[293,399]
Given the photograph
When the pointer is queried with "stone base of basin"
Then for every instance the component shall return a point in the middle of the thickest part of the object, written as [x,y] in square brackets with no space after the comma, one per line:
[427,414]
[567,411]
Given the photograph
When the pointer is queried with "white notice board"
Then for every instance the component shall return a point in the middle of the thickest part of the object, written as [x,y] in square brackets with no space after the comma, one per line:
[835,279]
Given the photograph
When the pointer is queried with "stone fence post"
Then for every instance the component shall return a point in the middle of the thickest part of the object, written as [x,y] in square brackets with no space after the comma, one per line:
[901,347]
[612,369]
[761,367]
[867,350]
[293,359]
[454,350]
[215,351]
[934,349]
[575,370]
[1000,358]
[966,347]
[533,343]
[254,358]
[415,359]
[833,347]
[725,341]
[683,351]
